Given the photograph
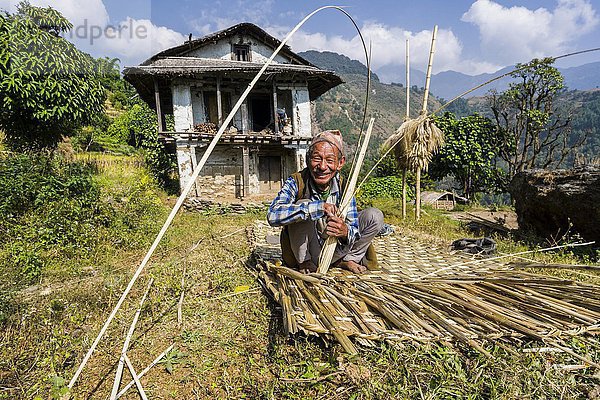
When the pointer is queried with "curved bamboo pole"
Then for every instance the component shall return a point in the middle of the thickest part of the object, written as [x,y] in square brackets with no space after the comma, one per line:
[188,188]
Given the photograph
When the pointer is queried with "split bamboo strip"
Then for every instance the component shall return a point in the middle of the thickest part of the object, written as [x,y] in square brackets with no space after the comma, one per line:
[329,322]
[180,303]
[191,184]
[535,264]
[146,370]
[328,249]
[119,373]
[136,379]
[436,272]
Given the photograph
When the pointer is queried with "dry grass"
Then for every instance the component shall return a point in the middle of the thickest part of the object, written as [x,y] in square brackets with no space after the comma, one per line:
[231,342]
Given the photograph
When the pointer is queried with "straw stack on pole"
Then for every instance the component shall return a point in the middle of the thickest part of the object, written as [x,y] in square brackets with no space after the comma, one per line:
[417,139]
[328,249]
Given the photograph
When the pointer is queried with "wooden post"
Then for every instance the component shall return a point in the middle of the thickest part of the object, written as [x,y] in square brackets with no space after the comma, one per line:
[219,102]
[246,170]
[158,110]
[244,112]
[407,80]
[275,116]
[194,162]
[404,169]
[424,111]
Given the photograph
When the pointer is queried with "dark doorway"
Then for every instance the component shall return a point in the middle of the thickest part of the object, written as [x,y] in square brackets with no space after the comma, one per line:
[269,173]
[260,112]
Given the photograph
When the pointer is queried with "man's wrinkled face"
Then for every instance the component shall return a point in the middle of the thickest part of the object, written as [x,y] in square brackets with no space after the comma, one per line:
[324,163]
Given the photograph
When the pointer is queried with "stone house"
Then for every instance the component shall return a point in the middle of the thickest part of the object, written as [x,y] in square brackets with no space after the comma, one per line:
[196,84]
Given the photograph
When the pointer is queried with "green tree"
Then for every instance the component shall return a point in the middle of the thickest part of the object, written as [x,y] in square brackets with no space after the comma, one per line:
[138,127]
[469,153]
[538,131]
[47,87]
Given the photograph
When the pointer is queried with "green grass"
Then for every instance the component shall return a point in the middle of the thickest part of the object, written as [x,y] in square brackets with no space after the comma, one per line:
[230,343]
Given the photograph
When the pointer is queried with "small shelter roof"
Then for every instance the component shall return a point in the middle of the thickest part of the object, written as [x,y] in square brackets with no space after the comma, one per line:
[429,197]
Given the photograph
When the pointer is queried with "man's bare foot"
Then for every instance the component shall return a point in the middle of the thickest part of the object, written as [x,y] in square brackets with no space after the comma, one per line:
[307,267]
[354,267]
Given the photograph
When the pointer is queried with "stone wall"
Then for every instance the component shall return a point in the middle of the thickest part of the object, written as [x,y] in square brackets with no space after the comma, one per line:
[207,206]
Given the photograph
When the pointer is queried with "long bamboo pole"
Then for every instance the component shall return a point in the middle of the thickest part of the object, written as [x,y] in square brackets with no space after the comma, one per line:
[405,167]
[407,80]
[423,112]
[189,186]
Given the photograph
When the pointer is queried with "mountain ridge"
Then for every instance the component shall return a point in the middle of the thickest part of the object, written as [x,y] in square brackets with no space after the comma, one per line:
[448,84]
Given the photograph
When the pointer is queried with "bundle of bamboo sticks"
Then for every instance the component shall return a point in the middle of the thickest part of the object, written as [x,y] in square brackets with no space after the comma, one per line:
[470,308]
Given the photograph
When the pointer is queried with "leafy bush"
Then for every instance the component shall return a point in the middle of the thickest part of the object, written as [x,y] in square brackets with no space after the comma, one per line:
[28,181]
[386,187]
[137,127]
[55,214]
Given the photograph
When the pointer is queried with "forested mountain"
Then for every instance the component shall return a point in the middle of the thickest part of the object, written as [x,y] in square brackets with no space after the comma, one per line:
[342,107]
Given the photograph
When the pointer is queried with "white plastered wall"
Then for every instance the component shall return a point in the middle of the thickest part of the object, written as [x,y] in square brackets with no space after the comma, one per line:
[301,112]
[185,164]
[222,49]
[182,108]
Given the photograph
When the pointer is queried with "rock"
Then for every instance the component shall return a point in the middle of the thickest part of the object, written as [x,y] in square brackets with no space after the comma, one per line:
[552,203]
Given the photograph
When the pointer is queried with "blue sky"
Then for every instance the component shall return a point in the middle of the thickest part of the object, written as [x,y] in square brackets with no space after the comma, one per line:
[474,36]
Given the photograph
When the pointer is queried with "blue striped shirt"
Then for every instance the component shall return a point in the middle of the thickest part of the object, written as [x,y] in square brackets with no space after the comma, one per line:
[284,209]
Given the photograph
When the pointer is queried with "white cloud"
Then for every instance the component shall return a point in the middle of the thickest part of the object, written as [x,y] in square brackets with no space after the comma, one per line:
[131,40]
[388,47]
[221,16]
[134,40]
[94,11]
[517,34]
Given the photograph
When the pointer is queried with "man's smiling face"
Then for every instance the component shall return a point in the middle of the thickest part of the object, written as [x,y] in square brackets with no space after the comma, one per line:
[325,161]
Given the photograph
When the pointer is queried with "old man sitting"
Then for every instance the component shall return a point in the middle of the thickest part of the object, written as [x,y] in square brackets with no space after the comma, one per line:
[307,208]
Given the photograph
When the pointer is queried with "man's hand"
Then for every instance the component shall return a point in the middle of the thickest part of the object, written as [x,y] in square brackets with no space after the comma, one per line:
[336,227]
[330,209]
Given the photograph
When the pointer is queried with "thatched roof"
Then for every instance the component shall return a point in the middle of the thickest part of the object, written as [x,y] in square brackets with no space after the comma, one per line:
[176,63]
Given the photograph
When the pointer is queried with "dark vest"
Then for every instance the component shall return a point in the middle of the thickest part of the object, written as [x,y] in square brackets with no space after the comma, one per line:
[301,177]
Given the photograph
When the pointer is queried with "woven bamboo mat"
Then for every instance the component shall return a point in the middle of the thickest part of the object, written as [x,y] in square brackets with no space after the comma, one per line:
[399,256]
[426,293]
